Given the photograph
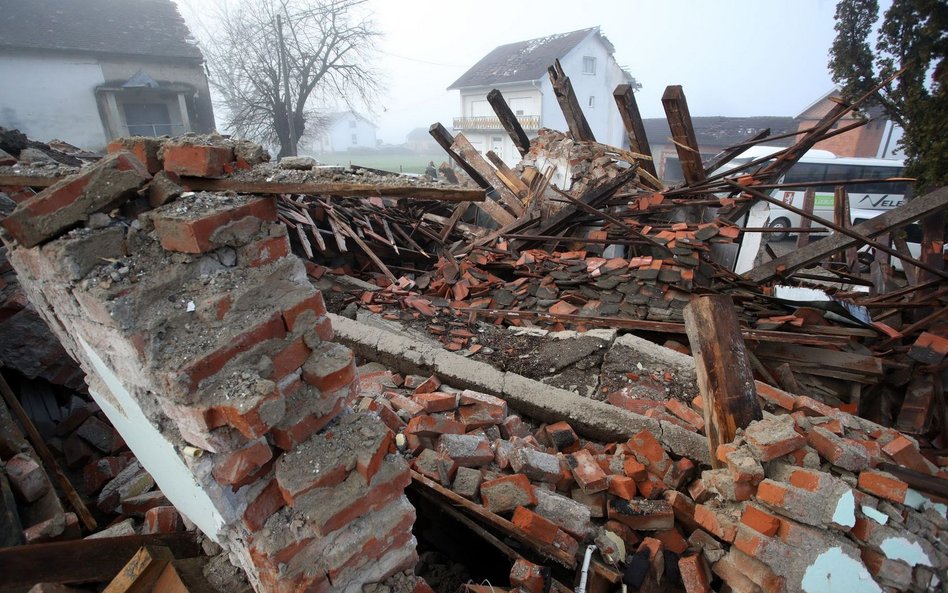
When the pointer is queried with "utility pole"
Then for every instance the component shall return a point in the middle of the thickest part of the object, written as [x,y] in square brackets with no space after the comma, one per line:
[287,104]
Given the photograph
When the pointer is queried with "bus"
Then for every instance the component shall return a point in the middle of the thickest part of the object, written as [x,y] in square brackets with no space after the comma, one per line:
[866,200]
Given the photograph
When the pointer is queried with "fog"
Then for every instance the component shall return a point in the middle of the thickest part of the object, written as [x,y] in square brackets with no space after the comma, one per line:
[733,57]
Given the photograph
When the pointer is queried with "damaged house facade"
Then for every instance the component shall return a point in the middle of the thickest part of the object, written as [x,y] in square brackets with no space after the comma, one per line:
[88,72]
[519,70]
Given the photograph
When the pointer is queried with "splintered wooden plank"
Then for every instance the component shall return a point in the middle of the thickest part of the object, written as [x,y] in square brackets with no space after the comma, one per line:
[444,139]
[508,175]
[844,238]
[566,97]
[509,121]
[725,377]
[141,572]
[466,151]
[825,363]
[683,133]
[809,200]
[365,190]
[634,126]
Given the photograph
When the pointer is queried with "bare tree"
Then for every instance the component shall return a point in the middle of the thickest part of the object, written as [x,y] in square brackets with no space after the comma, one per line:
[328,45]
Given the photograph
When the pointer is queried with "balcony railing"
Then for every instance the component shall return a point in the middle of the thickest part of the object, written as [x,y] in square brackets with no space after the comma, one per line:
[490,122]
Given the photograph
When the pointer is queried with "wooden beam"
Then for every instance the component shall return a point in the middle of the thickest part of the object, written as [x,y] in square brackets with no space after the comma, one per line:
[683,134]
[569,105]
[824,362]
[140,573]
[508,176]
[496,521]
[842,217]
[725,379]
[313,188]
[809,200]
[39,445]
[634,126]
[756,335]
[843,238]
[82,561]
[509,120]
[445,140]
[466,151]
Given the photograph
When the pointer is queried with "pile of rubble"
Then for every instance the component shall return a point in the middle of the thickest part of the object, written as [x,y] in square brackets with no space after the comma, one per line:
[174,284]
[799,500]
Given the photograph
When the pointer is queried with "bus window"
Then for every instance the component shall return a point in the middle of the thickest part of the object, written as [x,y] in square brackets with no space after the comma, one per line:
[805,172]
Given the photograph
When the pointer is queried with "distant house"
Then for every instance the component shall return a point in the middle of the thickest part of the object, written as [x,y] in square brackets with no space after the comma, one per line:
[86,71]
[876,139]
[519,71]
[419,140]
[342,131]
[713,134]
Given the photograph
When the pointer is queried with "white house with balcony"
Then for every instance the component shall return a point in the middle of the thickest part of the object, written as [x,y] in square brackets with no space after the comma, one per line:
[519,71]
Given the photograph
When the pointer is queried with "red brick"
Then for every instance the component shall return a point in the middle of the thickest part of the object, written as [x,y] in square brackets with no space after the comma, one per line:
[436,401]
[536,526]
[513,426]
[760,521]
[695,574]
[685,413]
[99,187]
[634,469]
[838,451]
[672,540]
[193,235]
[642,515]
[290,358]
[211,363]
[27,478]
[164,519]
[144,149]
[330,367]
[715,523]
[429,385]
[775,396]
[649,451]
[197,160]
[906,454]
[499,406]
[98,473]
[287,437]
[263,251]
[234,468]
[312,303]
[623,487]
[403,404]
[531,577]
[507,493]
[480,415]
[587,472]
[883,485]
[562,436]
[433,426]
[269,501]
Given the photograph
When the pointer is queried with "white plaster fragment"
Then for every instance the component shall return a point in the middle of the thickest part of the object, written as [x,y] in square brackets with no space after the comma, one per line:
[899,548]
[833,571]
[845,513]
[876,515]
[191,306]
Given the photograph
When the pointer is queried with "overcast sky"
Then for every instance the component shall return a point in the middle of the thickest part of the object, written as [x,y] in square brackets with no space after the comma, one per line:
[733,57]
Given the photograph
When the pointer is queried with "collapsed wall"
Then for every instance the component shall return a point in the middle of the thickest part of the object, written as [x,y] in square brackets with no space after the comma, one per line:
[211,353]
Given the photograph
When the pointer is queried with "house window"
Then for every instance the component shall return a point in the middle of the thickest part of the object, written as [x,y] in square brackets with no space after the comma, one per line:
[592,101]
[355,139]
[520,112]
[352,124]
[147,119]
[589,65]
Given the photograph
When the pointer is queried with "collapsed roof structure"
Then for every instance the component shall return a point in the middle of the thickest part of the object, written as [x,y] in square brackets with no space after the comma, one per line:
[309,361]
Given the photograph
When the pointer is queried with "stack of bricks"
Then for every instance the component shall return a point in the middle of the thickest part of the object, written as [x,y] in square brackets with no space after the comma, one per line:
[196,313]
[796,505]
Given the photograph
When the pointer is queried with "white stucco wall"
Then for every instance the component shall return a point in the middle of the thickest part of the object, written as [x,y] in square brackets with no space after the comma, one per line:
[52,97]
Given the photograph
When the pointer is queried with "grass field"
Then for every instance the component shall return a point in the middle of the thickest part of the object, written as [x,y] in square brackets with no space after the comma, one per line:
[399,163]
